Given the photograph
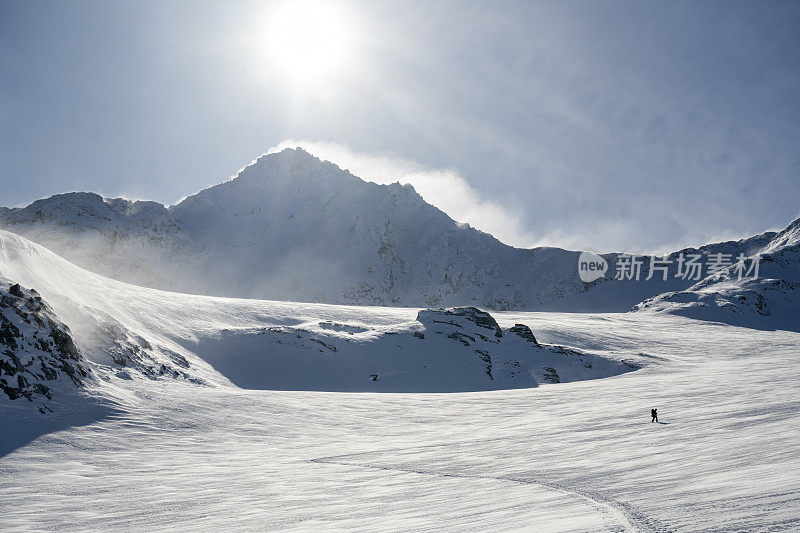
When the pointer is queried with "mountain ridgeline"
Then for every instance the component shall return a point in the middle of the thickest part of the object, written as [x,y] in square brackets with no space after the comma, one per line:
[292,227]
[771,300]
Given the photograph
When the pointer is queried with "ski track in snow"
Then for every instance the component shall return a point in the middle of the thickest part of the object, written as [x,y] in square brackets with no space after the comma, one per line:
[581,456]
[167,454]
[616,512]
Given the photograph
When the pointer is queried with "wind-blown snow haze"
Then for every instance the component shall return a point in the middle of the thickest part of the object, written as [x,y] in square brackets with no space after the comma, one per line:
[337,265]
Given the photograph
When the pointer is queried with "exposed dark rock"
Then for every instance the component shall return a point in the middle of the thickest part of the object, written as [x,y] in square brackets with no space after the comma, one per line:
[36,349]
[551,375]
[471,314]
[449,323]
[16,290]
[179,360]
[481,318]
[8,333]
[461,337]
[323,343]
[523,331]
[63,342]
[486,358]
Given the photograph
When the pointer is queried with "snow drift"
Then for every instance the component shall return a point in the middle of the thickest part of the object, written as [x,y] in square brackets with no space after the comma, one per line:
[126,332]
[444,350]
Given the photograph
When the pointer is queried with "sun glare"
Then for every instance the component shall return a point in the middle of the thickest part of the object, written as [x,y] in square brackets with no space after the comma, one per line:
[309,40]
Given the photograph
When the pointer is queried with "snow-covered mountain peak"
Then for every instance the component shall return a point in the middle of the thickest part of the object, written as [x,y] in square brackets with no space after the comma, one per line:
[78,207]
[293,165]
[790,236]
[290,226]
[278,183]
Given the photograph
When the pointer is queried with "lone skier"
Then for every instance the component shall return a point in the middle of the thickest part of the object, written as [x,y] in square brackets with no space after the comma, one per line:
[654,414]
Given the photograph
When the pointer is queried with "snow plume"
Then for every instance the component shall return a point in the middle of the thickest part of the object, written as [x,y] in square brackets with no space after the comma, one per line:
[444,188]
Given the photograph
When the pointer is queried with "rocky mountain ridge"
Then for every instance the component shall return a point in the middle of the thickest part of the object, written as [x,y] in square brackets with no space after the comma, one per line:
[291,227]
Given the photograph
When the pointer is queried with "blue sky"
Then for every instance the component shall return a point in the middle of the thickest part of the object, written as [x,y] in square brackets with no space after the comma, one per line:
[636,126]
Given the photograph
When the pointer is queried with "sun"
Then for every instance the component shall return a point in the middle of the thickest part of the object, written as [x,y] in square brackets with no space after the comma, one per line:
[309,40]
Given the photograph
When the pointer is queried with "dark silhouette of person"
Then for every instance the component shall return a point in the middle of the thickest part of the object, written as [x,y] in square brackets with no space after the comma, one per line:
[654,414]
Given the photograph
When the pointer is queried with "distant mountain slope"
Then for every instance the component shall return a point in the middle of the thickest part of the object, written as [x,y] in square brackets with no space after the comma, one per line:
[772,300]
[292,227]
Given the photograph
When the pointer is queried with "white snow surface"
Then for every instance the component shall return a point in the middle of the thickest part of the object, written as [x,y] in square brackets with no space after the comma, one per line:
[129,331]
[149,450]
[580,456]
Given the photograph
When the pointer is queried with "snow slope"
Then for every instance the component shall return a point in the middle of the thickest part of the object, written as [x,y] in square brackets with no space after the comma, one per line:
[579,456]
[772,300]
[292,227]
[135,333]
[161,437]
[159,451]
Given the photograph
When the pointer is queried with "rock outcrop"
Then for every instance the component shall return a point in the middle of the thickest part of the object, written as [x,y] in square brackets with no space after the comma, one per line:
[38,356]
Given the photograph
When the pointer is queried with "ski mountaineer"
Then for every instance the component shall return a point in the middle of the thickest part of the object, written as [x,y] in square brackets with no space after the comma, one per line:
[654,414]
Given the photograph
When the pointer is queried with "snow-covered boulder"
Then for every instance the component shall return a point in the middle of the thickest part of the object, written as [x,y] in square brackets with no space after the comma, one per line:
[460,317]
[444,350]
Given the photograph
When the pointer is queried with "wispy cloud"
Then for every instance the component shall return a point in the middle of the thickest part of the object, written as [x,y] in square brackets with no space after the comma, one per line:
[444,188]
